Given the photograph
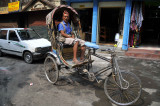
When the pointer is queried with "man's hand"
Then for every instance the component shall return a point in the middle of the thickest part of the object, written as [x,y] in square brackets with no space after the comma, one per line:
[65,35]
[72,35]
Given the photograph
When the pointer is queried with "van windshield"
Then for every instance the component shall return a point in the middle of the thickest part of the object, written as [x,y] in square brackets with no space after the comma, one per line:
[28,34]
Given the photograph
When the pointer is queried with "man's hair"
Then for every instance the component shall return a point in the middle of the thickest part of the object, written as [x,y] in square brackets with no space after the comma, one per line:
[65,12]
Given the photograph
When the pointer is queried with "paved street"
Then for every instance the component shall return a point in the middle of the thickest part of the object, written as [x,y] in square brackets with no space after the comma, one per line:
[24,84]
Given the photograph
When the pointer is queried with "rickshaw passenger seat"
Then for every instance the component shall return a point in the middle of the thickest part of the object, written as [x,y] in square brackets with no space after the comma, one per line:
[67,46]
[67,51]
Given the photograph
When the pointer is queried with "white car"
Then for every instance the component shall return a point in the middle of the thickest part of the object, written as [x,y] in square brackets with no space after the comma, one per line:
[24,42]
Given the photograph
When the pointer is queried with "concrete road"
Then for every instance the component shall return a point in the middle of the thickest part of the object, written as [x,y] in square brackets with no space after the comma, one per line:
[23,84]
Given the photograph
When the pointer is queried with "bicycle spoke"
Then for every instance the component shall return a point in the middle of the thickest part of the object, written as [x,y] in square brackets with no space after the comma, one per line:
[119,100]
[113,83]
[117,97]
[126,97]
[133,84]
[121,97]
[128,78]
[132,98]
[112,89]
[113,93]
[131,80]
[132,94]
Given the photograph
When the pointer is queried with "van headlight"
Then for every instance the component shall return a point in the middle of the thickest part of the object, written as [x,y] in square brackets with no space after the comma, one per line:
[38,49]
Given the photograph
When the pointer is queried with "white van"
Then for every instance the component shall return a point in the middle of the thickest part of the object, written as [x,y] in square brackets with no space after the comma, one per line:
[24,42]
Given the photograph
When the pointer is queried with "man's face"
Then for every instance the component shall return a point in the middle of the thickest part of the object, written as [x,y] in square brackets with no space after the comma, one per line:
[65,17]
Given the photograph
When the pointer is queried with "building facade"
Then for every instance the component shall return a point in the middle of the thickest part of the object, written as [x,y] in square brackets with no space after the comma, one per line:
[102,19]
[30,13]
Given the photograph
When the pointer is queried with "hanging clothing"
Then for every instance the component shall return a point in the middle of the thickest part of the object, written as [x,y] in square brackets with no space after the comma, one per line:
[136,16]
[140,19]
[136,24]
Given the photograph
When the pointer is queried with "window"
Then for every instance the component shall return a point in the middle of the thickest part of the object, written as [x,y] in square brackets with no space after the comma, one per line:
[13,36]
[3,34]
[28,34]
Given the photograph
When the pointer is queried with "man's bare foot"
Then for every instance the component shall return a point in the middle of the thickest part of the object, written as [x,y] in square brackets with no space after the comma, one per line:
[76,62]
[82,59]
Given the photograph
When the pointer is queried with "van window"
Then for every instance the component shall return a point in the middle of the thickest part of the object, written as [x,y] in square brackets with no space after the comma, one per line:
[3,34]
[28,34]
[13,36]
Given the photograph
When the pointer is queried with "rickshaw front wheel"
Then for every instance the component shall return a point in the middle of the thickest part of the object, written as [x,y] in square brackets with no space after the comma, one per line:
[121,96]
[51,69]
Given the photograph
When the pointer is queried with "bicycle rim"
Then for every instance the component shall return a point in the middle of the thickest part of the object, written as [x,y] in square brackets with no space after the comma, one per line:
[123,96]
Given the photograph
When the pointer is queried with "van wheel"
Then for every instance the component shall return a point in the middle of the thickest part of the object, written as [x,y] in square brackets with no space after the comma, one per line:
[1,54]
[28,58]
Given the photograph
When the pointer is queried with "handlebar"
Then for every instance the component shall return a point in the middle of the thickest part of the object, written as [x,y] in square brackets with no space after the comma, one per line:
[92,51]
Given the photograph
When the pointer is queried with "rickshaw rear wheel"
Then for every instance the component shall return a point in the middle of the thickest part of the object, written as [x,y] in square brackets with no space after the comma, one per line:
[119,95]
[51,69]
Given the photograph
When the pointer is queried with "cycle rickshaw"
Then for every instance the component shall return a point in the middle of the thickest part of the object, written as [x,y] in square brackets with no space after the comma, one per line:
[121,87]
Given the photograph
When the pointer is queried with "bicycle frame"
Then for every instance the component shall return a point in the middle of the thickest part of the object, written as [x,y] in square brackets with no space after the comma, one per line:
[120,77]
[114,66]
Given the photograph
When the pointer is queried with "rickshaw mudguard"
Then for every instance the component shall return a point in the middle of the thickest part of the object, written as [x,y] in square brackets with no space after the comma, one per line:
[54,55]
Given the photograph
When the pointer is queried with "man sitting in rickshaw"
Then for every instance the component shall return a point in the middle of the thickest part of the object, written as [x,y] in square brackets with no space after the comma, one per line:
[66,31]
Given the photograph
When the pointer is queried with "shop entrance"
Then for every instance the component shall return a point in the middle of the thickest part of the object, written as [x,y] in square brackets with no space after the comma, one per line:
[150,26]
[111,22]
[86,22]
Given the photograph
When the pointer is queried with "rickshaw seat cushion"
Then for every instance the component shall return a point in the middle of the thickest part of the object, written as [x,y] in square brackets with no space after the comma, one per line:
[92,45]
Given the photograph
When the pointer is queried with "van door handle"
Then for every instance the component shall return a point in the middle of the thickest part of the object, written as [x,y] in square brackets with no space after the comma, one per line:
[8,42]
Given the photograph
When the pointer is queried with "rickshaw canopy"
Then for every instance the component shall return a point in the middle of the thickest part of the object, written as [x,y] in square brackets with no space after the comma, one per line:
[56,15]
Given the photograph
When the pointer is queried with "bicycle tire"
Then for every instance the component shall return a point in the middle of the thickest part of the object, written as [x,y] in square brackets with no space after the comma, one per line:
[123,96]
[51,69]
